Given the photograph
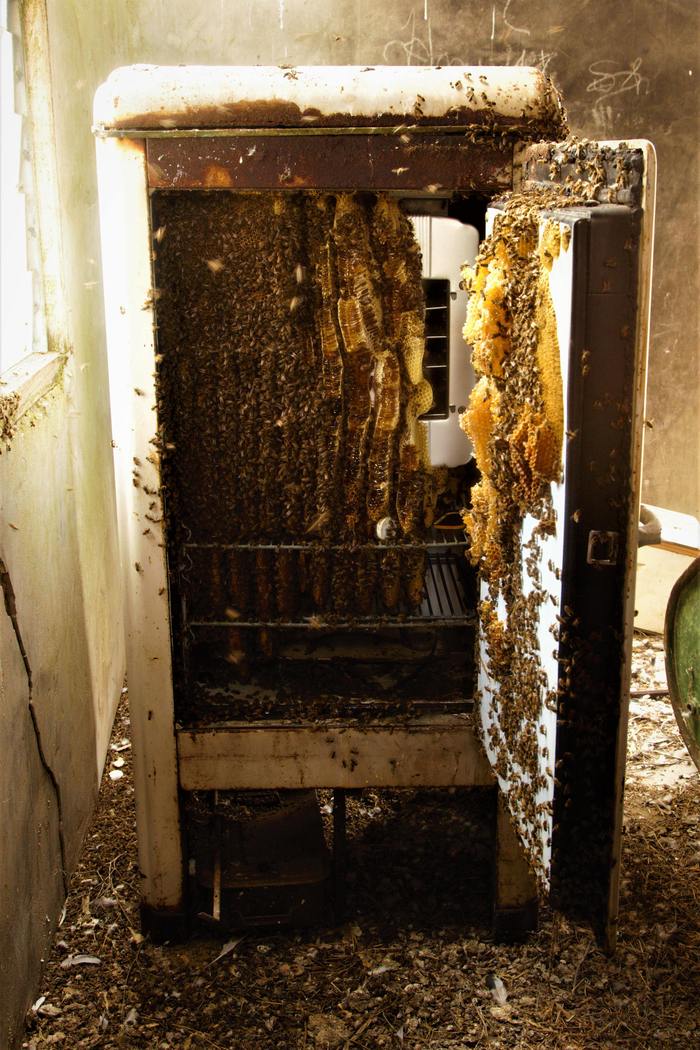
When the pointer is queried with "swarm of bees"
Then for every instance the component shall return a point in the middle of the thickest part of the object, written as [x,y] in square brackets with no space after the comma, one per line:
[290,388]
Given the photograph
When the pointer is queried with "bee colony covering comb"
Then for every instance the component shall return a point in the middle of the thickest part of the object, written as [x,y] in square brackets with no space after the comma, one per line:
[290,386]
[515,416]
[515,419]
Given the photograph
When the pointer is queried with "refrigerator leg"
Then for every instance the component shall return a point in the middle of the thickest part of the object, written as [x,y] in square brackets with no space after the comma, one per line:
[339,854]
[515,890]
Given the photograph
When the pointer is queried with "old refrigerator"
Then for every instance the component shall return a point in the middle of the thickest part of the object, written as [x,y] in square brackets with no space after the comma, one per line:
[282,253]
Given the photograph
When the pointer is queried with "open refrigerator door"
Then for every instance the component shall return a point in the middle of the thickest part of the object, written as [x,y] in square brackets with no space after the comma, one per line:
[557,321]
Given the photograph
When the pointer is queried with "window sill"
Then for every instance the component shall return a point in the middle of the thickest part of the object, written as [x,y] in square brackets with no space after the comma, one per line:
[23,385]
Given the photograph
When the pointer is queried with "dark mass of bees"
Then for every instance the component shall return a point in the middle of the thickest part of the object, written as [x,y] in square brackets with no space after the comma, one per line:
[290,339]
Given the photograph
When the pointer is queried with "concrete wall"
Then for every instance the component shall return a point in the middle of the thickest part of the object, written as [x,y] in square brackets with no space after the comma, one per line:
[61,669]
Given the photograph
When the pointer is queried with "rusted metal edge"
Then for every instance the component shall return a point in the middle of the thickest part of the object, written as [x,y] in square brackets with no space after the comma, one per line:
[604,172]
[293,132]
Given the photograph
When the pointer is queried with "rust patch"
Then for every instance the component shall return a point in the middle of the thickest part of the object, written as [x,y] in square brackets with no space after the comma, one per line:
[278,113]
[256,113]
[134,145]
[216,176]
[331,163]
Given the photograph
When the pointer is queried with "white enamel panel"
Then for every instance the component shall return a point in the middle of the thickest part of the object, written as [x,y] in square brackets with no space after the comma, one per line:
[446,245]
[196,96]
[550,559]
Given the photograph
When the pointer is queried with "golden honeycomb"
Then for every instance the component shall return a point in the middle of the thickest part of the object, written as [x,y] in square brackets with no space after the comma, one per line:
[515,419]
[487,326]
[479,419]
[387,387]
[412,343]
[483,527]
[515,415]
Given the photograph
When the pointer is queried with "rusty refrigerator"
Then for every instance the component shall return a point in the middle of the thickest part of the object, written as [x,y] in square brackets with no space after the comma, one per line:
[303,607]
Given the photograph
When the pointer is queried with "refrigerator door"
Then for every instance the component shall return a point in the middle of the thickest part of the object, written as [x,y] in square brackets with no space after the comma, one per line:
[557,572]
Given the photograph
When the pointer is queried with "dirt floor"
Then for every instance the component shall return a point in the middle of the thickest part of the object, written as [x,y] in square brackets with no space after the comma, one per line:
[414,968]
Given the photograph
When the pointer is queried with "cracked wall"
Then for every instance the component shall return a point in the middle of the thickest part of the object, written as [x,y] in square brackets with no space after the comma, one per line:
[57,539]
[30,824]
[48,774]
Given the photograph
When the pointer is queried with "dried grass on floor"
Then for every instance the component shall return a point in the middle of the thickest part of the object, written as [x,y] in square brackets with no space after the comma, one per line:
[385,979]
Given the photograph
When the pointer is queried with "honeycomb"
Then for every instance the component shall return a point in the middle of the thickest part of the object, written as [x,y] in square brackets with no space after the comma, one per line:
[289,388]
[479,419]
[498,642]
[487,327]
[387,387]
[483,526]
[515,415]
[515,419]
[548,349]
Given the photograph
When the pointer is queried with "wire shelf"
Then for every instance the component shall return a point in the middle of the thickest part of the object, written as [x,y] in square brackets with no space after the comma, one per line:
[444,603]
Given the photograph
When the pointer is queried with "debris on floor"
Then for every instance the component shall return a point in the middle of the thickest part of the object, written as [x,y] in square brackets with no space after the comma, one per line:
[657,759]
[414,967]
